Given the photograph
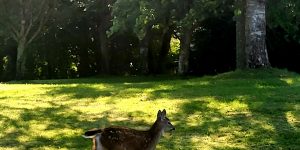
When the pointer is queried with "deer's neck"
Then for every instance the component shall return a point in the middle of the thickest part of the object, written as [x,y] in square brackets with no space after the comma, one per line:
[155,133]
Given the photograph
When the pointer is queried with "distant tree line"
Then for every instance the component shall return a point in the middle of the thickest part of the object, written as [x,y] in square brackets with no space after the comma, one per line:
[46,39]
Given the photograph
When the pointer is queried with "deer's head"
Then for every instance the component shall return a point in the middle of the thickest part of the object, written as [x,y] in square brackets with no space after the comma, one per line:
[163,121]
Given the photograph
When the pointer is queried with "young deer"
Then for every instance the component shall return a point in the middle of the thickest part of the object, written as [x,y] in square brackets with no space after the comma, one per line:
[122,138]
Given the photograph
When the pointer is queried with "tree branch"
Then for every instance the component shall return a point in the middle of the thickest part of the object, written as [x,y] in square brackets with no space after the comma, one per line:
[35,34]
[7,22]
[43,12]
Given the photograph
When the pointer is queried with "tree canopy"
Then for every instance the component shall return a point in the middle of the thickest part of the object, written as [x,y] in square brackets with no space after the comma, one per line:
[72,38]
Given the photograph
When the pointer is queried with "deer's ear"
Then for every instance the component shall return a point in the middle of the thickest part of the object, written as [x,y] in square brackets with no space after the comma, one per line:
[159,113]
[164,113]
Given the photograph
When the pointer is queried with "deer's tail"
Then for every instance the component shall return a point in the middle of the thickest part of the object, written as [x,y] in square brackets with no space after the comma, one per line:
[92,133]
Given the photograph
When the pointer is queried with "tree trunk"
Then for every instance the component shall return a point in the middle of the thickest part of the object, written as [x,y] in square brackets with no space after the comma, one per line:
[241,61]
[255,30]
[105,24]
[105,55]
[185,41]
[21,60]
[144,52]
[165,48]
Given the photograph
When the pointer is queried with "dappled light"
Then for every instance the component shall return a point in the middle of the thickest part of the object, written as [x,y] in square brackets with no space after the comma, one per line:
[219,112]
[222,69]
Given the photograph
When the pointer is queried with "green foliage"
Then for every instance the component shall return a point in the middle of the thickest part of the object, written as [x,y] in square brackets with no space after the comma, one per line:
[145,19]
[255,109]
[125,13]
[5,63]
[69,43]
[175,46]
[285,14]
[192,12]
[19,25]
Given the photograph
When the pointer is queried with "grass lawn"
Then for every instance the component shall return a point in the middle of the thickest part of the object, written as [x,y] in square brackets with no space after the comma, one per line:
[235,110]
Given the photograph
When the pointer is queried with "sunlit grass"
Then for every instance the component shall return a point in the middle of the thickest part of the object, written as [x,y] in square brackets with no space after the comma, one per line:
[236,110]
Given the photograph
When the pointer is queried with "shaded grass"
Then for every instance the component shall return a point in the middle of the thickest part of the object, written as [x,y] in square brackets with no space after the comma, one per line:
[236,110]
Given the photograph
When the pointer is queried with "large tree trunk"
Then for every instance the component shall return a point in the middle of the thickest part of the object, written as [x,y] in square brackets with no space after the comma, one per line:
[21,60]
[185,41]
[165,48]
[241,61]
[105,53]
[105,23]
[255,30]
[144,53]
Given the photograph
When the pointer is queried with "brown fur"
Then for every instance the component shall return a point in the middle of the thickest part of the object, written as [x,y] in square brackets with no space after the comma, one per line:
[122,138]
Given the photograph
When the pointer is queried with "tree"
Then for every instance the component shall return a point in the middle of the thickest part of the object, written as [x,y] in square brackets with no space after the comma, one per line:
[24,21]
[255,33]
[285,14]
[103,17]
[186,23]
[139,17]
[190,14]
[241,61]
[171,17]
[164,29]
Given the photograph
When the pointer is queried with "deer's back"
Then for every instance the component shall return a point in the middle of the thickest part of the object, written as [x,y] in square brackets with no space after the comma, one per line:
[122,138]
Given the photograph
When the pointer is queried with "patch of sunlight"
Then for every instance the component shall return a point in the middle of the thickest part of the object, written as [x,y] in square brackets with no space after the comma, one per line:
[194,120]
[49,148]
[137,104]
[145,96]
[4,87]
[36,126]
[98,86]
[259,86]
[23,91]
[292,119]
[128,83]
[141,94]
[225,107]
[52,134]
[24,139]
[264,124]
[204,83]
[14,87]
[263,86]
[216,141]
[164,87]
[19,105]
[241,97]
[289,81]
[7,130]
[9,148]
[197,82]
[15,115]
[130,91]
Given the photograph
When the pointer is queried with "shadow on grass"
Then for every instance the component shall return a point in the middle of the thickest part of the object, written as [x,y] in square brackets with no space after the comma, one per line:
[55,127]
[264,126]
[103,79]
[37,128]
[80,91]
[263,123]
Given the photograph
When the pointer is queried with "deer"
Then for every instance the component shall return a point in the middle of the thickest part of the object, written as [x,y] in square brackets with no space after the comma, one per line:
[123,138]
